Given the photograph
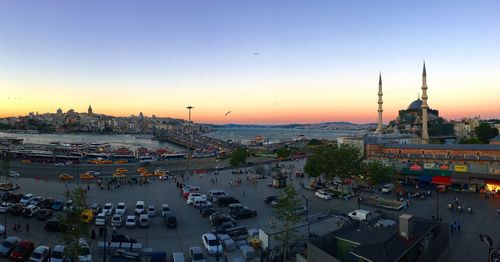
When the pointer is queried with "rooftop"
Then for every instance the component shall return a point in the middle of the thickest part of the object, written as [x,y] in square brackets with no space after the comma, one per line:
[446,146]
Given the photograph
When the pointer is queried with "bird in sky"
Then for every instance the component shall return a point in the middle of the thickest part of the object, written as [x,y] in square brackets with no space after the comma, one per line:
[227,113]
[255,53]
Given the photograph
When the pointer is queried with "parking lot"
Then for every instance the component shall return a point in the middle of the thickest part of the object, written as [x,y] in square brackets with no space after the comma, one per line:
[191,225]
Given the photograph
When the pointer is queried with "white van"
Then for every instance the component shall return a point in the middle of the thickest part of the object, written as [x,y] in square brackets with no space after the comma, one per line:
[360,215]
[139,207]
[144,220]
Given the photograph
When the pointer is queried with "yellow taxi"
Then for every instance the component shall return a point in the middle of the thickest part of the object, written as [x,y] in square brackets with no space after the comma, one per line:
[146,174]
[119,175]
[107,161]
[160,173]
[87,216]
[26,161]
[121,161]
[121,170]
[65,177]
[142,170]
[86,176]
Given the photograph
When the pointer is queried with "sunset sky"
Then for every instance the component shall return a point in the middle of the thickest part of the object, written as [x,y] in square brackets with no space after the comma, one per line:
[266,61]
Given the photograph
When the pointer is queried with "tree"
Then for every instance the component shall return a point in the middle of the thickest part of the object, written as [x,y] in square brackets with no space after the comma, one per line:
[285,218]
[283,153]
[73,224]
[334,161]
[375,173]
[238,157]
[314,142]
[472,140]
[484,132]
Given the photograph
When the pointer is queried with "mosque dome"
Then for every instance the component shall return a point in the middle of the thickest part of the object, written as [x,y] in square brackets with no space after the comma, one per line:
[416,105]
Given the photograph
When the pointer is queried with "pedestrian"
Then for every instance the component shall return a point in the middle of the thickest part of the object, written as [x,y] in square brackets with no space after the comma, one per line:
[451,228]
[498,211]
[114,231]
[455,227]
[88,187]
[27,227]
[92,235]
[458,225]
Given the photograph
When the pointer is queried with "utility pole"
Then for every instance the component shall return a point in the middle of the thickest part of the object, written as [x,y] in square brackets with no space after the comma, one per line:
[307,215]
[189,137]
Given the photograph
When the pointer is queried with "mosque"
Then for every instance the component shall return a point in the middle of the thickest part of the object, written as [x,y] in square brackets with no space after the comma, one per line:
[417,120]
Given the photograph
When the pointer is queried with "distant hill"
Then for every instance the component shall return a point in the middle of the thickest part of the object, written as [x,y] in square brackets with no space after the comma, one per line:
[324,126]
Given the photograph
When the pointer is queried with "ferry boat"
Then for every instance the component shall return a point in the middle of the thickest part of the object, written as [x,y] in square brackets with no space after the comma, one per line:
[147,159]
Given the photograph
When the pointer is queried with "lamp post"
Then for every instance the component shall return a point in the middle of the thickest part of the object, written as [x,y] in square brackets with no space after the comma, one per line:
[437,202]
[307,214]
[189,137]
[6,166]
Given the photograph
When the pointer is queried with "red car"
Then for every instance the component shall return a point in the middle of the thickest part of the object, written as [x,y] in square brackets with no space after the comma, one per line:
[22,251]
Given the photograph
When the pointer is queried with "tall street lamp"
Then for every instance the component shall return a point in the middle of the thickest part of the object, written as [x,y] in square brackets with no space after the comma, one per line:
[189,137]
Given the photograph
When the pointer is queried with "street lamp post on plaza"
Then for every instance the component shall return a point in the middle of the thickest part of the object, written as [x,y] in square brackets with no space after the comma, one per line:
[189,137]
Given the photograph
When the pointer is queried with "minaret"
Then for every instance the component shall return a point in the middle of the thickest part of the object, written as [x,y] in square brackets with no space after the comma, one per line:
[89,111]
[380,102]
[425,106]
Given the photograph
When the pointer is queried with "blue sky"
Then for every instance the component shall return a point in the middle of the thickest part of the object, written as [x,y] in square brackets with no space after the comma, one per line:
[313,56]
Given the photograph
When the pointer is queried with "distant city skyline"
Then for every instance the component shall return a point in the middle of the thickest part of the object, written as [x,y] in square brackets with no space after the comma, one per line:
[266,62]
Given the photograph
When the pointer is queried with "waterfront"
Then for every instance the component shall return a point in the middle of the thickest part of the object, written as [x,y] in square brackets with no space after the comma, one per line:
[115,140]
[275,135]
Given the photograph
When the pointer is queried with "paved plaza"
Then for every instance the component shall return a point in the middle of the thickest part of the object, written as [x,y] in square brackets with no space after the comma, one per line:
[464,246]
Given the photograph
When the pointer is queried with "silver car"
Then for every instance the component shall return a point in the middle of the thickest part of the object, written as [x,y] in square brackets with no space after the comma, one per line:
[116,220]
[8,245]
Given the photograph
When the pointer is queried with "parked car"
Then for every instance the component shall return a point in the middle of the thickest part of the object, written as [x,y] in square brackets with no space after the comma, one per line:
[68,206]
[14,174]
[222,227]
[211,244]
[270,199]
[139,207]
[26,198]
[385,223]
[108,209]
[100,220]
[57,205]
[151,211]
[196,254]
[207,212]
[224,201]
[17,209]
[57,254]
[195,195]
[36,200]
[219,218]
[5,207]
[84,254]
[143,220]
[8,245]
[96,208]
[130,222]
[40,254]
[121,208]
[53,225]
[243,213]
[31,210]
[360,215]
[116,220]
[323,195]
[122,238]
[387,188]
[165,209]
[300,210]
[44,214]
[22,251]
[215,193]
[46,203]
[170,220]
